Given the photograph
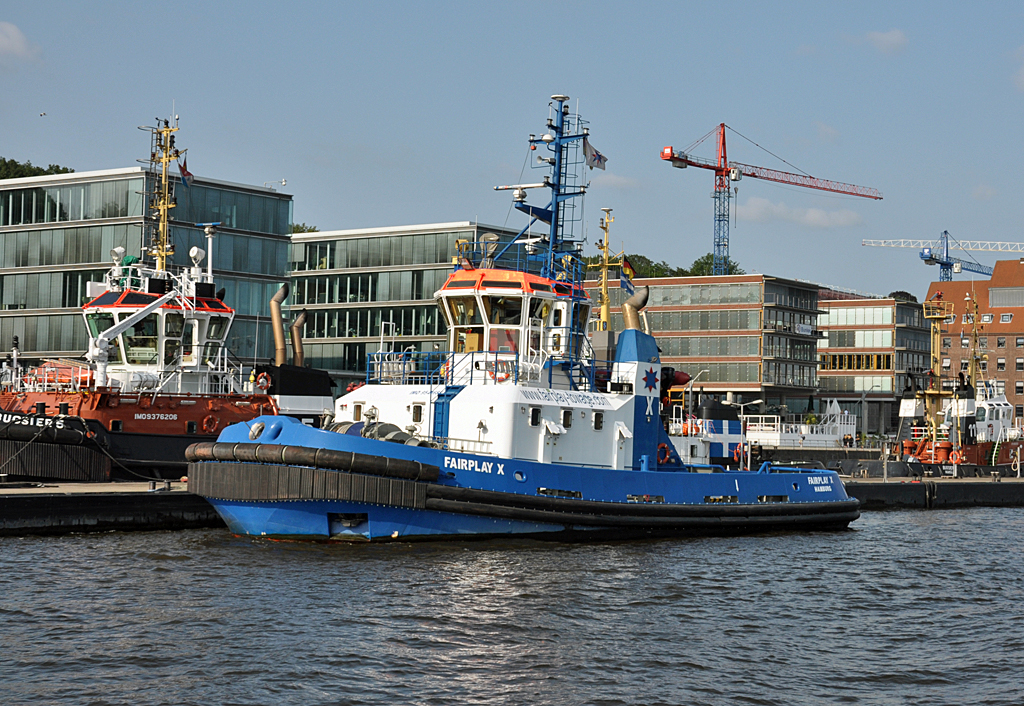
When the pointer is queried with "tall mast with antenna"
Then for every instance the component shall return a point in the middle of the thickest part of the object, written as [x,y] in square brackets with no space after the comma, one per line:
[161,153]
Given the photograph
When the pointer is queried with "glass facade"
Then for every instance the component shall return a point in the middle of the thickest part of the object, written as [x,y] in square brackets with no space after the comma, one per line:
[67,246]
[87,201]
[46,290]
[696,294]
[857,339]
[405,285]
[711,320]
[857,383]
[239,210]
[233,252]
[64,332]
[396,250]
[74,254]
[717,346]
[857,316]
[366,322]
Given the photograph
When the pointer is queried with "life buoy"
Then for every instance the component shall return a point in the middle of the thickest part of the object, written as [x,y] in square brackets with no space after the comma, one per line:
[210,424]
[499,376]
[263,382]
[956,457]
[663,453]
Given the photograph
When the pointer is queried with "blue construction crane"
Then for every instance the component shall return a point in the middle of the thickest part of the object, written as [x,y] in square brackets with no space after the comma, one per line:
[937,253]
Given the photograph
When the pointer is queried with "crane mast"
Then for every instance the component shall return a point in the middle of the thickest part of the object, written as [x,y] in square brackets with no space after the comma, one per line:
[937,253]
[727,172]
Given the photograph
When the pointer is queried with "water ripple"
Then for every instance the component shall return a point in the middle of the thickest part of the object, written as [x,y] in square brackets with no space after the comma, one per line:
[909,608]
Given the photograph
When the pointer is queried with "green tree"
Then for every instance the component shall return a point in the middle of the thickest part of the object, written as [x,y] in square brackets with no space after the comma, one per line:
[13,169]
[903,296]
[704,266]
[645,267]
[303,228]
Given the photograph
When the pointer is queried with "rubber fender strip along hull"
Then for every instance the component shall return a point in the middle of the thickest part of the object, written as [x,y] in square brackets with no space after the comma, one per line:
[817,520]
[251,482]
[316,458]
[592,507]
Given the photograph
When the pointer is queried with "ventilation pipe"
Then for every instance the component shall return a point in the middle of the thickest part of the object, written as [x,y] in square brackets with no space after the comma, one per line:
[632,306]
[490,241]
[277,324]
[296,328]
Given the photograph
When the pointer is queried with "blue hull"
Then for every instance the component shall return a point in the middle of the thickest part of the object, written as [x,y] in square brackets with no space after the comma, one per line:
[264,494]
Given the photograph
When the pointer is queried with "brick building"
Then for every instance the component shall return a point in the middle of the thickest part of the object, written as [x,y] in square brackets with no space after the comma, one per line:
[1000,329]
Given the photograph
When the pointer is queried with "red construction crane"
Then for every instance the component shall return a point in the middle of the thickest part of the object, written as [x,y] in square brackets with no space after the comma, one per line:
[727,172]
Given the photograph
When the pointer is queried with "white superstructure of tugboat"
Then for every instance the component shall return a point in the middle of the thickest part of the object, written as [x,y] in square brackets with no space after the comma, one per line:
[516,429]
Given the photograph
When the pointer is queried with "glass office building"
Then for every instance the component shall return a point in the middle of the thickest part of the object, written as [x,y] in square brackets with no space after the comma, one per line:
[869,350]
[371,287]
[56,233]
[754,336]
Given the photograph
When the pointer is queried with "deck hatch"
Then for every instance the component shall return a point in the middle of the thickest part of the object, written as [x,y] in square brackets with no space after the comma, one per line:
[713,499]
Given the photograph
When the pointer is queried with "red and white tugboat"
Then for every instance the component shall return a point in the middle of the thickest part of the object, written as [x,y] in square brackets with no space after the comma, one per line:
[156,377]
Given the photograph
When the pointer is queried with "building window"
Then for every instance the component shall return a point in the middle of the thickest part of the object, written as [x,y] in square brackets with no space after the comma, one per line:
[1020,341]
[983,365]
[1001,342]
[1005,318]
[1018,387]
[1018,411]
[1020,364]
[968,318]
[945,363]
[983,342]
[947,342]
[1000,387]
[986,318]
[963,366]
[1000,363]
[965,342]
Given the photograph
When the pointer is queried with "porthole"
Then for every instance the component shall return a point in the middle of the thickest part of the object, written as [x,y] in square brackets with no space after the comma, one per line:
[520,476]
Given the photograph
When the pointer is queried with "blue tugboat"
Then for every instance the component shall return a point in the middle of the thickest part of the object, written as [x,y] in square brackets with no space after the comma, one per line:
[517,430]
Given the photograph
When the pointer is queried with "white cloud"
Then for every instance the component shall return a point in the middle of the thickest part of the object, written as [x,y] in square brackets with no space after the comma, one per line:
[983,192]
[891,42]
[13,43]
[761,210]
[827,133]
[614,181]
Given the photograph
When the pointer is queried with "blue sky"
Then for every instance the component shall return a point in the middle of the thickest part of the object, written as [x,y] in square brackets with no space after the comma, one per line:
[392,113]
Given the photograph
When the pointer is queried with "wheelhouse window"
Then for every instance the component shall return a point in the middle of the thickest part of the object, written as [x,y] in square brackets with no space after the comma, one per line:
[100,322]
[140,341]
[504,311]
[218,327]
[174,324]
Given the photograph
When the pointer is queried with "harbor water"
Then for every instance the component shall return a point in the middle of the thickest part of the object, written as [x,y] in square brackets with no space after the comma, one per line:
[907,607]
